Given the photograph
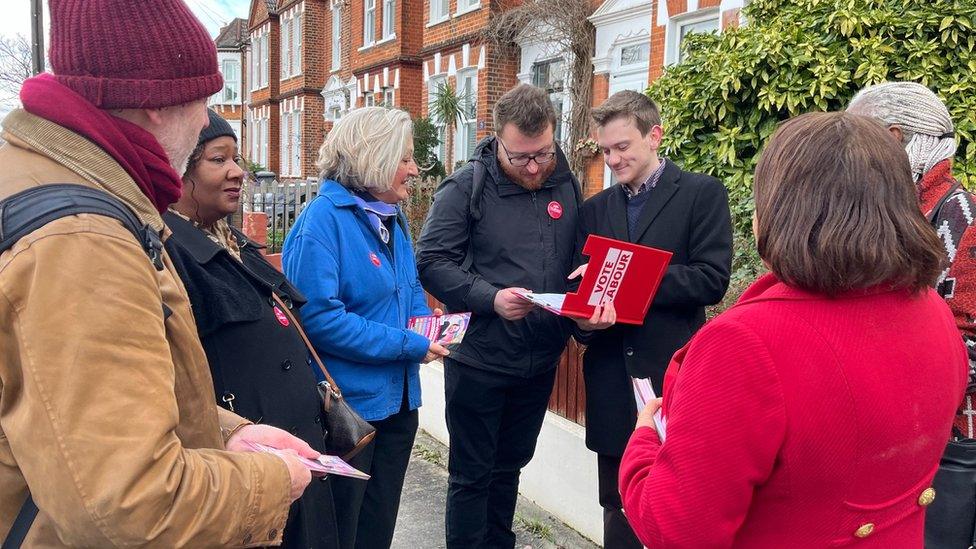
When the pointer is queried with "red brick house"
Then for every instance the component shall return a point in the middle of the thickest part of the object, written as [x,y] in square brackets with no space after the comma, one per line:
[311,61]
[285,74]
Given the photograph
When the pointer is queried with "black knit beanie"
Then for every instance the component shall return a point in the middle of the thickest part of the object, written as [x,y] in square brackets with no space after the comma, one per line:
[218,128]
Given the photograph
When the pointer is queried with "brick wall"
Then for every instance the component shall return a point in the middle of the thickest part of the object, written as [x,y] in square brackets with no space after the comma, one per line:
[594,166]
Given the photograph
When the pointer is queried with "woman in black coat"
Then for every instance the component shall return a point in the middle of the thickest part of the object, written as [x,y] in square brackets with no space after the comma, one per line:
[260,365]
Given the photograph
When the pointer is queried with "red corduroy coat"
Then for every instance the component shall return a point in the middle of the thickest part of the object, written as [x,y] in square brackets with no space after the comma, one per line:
[796,420]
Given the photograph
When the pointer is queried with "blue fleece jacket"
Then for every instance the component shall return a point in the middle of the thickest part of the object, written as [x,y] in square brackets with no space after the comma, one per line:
[360,296]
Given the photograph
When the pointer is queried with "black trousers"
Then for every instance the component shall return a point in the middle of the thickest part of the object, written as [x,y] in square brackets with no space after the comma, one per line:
[366,511]
[617,533]
[493,421]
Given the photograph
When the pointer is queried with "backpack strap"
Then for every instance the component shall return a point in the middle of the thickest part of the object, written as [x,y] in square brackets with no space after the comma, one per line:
[474,207]
[31,209]
[477,189]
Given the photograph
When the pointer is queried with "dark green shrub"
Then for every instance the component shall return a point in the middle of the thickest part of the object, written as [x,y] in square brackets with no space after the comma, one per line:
[794,56]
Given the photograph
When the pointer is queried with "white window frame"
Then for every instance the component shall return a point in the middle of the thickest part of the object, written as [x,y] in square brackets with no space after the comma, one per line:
[389,97]
[440,11]
[296,142]
[285,39]
[369,23]
[333,113]
[283,143]
[466,6]
[336,37]
[561,131]
[296,43]
[232,84]
[369,99]
[252,134]
[255,58]
[642,45]
[266,65]
[672,40]
[461,143]
[265,137]
[249,67]
[351,95]
[389,19]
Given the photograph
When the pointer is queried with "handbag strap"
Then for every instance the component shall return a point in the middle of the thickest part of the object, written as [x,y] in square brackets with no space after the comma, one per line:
[22,524]
[308,344]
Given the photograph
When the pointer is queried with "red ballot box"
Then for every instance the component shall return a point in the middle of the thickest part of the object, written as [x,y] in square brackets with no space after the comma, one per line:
[626,274]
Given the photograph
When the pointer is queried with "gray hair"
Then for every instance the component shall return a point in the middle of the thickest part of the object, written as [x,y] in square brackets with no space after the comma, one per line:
[365,147]
[921,116]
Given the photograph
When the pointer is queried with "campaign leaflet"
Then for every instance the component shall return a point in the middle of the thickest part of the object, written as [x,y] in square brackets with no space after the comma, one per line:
[324,465]
[644,393]
[444,329]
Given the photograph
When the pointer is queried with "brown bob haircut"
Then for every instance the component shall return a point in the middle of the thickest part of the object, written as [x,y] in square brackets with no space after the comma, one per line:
[836,208]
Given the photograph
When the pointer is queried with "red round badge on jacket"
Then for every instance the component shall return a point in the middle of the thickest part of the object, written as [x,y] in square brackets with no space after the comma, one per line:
[280,315]
[374,258]
[555,210]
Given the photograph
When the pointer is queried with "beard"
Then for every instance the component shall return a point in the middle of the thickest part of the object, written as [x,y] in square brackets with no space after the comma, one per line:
[529,182]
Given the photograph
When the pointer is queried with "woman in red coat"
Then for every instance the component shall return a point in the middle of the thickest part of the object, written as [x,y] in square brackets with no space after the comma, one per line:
[812,413]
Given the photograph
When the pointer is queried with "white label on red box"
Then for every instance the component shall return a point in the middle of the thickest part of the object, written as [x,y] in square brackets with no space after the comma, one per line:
[611,274]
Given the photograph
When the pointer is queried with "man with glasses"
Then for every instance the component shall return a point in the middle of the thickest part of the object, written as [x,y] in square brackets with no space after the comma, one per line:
[655,204]
[504,222]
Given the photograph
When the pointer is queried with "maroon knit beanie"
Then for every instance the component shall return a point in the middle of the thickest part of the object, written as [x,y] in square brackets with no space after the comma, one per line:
[125,54]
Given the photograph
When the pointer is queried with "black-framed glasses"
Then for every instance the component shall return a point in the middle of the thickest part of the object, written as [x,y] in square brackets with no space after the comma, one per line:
[522,160]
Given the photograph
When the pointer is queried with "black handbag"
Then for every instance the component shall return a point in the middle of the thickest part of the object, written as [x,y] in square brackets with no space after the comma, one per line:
[950,522]
[346,432]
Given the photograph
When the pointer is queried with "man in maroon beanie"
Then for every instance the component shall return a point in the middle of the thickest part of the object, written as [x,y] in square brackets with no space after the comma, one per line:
[108,420]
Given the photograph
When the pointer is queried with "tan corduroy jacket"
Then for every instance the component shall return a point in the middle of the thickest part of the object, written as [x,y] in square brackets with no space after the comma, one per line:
[107,411]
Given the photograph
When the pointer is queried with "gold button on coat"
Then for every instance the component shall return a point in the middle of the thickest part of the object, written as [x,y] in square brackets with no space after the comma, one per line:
[865,530]
[926,497]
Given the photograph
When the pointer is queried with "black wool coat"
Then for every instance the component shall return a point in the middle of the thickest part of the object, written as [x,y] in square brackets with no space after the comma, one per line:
[688,215]
[261,368]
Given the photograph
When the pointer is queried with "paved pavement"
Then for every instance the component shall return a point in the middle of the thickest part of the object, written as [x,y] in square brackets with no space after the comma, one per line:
[420,524]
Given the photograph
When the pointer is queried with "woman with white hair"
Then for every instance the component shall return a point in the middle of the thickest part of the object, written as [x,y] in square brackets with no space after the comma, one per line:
[350,254]
[920,121]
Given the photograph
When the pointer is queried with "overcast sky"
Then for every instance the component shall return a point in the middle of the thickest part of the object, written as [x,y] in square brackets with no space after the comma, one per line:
[212,13]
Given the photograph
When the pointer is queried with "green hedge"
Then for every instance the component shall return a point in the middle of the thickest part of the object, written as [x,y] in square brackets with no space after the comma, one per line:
[795,56]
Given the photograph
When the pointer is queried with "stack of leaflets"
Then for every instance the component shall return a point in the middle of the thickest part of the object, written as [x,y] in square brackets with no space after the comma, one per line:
[324,465]
[443,329]
[644,393]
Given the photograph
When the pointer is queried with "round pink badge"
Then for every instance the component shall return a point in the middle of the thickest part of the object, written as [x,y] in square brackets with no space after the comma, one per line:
[555,210]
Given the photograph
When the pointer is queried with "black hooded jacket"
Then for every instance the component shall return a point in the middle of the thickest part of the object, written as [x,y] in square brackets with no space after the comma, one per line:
[516,243]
